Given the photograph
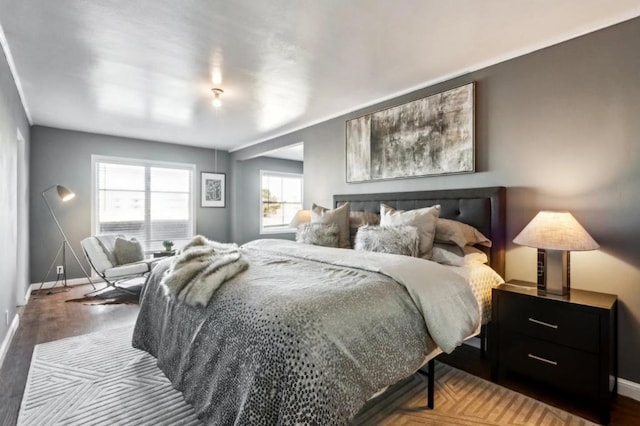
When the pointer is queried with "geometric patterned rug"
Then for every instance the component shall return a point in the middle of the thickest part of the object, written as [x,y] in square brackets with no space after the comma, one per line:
[99,379]
[460,399]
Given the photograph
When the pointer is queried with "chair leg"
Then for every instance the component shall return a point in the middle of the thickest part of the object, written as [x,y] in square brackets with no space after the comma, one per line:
[126,290]
[109,284]
[115,285]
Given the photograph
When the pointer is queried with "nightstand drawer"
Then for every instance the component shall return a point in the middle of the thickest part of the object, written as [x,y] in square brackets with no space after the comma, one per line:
[547,362]
[546,320]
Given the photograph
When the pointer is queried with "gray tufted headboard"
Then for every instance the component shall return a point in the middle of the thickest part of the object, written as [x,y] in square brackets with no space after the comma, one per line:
[482,208]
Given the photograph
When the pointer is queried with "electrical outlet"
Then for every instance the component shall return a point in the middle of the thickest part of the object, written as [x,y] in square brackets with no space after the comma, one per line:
[60,269]
[6,317]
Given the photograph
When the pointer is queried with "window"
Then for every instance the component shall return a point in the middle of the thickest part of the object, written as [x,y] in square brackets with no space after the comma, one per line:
[280,199]
[150,201]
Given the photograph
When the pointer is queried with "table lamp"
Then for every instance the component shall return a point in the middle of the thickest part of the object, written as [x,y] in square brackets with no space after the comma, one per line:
[555,235]
[302,216]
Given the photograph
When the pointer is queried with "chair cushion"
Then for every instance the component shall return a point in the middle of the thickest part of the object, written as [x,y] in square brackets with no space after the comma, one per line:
[130,269]
[96,254]
[127,251]
[107,242]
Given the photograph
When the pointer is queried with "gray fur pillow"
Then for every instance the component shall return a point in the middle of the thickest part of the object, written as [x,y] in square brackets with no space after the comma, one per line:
[319,234]
[402,239]
[358,219]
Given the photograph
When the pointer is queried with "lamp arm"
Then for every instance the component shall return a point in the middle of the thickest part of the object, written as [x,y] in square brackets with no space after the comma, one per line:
[52,214]
[51,187]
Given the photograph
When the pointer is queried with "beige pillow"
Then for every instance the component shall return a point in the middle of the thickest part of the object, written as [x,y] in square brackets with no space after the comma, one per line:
[338,216]
[424,219]
[127,251]
[453,232]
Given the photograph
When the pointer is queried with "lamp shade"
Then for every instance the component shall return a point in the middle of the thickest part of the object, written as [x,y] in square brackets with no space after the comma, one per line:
[302,216]
[64,193]
[555,231]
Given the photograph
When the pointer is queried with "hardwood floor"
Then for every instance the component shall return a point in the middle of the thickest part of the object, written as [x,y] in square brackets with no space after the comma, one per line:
[48,317]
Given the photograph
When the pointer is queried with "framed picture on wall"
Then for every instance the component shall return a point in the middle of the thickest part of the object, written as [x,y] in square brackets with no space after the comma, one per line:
[213,189]
[426,137]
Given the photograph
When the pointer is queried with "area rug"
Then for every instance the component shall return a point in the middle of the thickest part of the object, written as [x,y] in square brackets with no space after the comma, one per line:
[99,379]
[112,296]
[460,399]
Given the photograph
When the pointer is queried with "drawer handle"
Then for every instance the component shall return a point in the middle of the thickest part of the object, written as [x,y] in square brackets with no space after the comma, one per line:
[537,358]
[546,324]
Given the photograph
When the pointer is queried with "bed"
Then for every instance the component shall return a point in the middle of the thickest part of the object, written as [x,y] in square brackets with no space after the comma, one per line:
[482,208]
[308,334]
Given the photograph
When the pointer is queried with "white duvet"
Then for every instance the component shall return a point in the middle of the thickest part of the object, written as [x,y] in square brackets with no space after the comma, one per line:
[448,306]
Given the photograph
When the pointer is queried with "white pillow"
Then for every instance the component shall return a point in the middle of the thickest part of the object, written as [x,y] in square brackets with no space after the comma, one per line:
[424,219]
[474,255]
[451,254]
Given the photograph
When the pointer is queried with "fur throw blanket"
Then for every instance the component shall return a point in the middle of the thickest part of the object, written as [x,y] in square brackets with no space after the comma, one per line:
[200,267]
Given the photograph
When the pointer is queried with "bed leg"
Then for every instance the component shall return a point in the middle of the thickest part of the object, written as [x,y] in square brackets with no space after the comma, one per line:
[430,383]
[483,342]
[430,373]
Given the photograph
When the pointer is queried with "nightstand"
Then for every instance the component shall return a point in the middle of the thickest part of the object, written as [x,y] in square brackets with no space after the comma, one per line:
[568,342]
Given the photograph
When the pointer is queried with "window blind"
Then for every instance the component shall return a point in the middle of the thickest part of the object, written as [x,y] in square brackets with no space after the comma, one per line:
[149,201]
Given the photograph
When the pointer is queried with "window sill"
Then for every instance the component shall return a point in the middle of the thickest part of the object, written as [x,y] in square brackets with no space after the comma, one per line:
[277,231]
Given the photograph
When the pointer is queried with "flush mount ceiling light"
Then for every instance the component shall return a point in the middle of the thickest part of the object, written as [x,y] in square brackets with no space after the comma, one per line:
[217,102]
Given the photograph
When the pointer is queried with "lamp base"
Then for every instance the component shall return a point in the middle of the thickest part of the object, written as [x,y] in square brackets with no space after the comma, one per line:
[554,268]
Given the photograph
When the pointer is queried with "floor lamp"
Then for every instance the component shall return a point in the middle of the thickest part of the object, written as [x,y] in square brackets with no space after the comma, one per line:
[65,195]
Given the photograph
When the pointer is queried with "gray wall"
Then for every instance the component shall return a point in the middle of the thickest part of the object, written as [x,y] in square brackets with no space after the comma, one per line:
[247,206]
[64,157]
[13,188]
[558,127]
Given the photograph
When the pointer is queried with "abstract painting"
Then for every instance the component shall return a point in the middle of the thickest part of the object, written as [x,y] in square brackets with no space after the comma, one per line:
[429,136]
[213,189]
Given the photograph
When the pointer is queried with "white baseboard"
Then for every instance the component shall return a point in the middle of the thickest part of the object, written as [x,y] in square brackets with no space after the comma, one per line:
[7,339]
[27,296]
[629,389]
[71,282]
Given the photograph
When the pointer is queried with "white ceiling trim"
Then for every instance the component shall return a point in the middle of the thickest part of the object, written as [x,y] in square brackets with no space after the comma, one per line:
[4,44]
[604,23]
[293,152]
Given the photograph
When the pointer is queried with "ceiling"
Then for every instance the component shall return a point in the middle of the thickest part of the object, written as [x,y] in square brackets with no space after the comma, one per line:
[145,68]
